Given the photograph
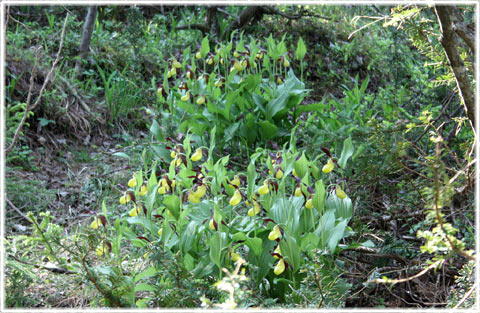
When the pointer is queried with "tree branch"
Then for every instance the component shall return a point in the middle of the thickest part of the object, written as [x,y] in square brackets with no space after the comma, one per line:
[18,211]
[450,44]
[53,269]
[201,27]
[29,108]
[466,34]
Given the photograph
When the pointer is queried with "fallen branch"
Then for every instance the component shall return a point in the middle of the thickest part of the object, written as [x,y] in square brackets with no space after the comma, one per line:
[376,253]
[29,107]
[396,281]
[205,29]
[53,269]
[17,210]
[272,10]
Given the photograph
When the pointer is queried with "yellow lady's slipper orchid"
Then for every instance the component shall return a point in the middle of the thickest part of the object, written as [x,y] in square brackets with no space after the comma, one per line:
[244,63]
[236,54]
[185,97]
[294,172]
[192,198]
[101,250]
[210,61]
[298,191]
[275,233]
[132,182]
[237,197]
[173,154]
[200,192]
[237,66]
[327,168]
[255,210]
[96,223]
[125,198]
[143,190]
[197,155]
[278,251]
[198,55]
[201,100]
[160,231]
[235,256]
[279,174]
[134,212]
[162,190]
[176,64]
[236,181]
[263,190]
[309,204]
[211,224]
[286,63]
[280,267]
[340,193]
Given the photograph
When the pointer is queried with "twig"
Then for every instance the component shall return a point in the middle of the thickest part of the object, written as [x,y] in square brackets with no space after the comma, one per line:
[203,28]
[53,269]
[396,281]
[29,108]
[365,26]
[375,253]
[271,10]
[17,210]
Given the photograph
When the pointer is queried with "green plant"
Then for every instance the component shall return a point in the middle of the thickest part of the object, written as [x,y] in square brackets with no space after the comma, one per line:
[121,95]
[250,94]
[206,216]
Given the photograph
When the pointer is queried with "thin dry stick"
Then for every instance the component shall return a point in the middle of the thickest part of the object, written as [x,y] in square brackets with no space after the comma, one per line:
[396,281]
[29,108]
[18,210]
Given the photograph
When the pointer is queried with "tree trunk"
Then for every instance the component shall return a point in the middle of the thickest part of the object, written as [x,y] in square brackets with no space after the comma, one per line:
[86,36]
[211,21]
[450,44]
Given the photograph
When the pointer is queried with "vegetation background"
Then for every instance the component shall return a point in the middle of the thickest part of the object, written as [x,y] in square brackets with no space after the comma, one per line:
[297,156]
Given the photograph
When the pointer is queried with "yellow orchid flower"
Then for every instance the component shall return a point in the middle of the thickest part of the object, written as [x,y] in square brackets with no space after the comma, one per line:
[237,197]
[327,168]
[280,267]
[340,193]
[275,233]
[197,155]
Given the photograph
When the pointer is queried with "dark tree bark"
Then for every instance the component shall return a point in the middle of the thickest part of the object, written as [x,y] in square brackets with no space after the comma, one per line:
[86,36]
[211,20]
[450,44]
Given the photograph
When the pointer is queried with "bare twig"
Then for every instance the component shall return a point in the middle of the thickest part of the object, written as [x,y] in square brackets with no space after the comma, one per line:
[53,269]
[29,107]
[17,210]
[272,10]
[396,281]
[376,253]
